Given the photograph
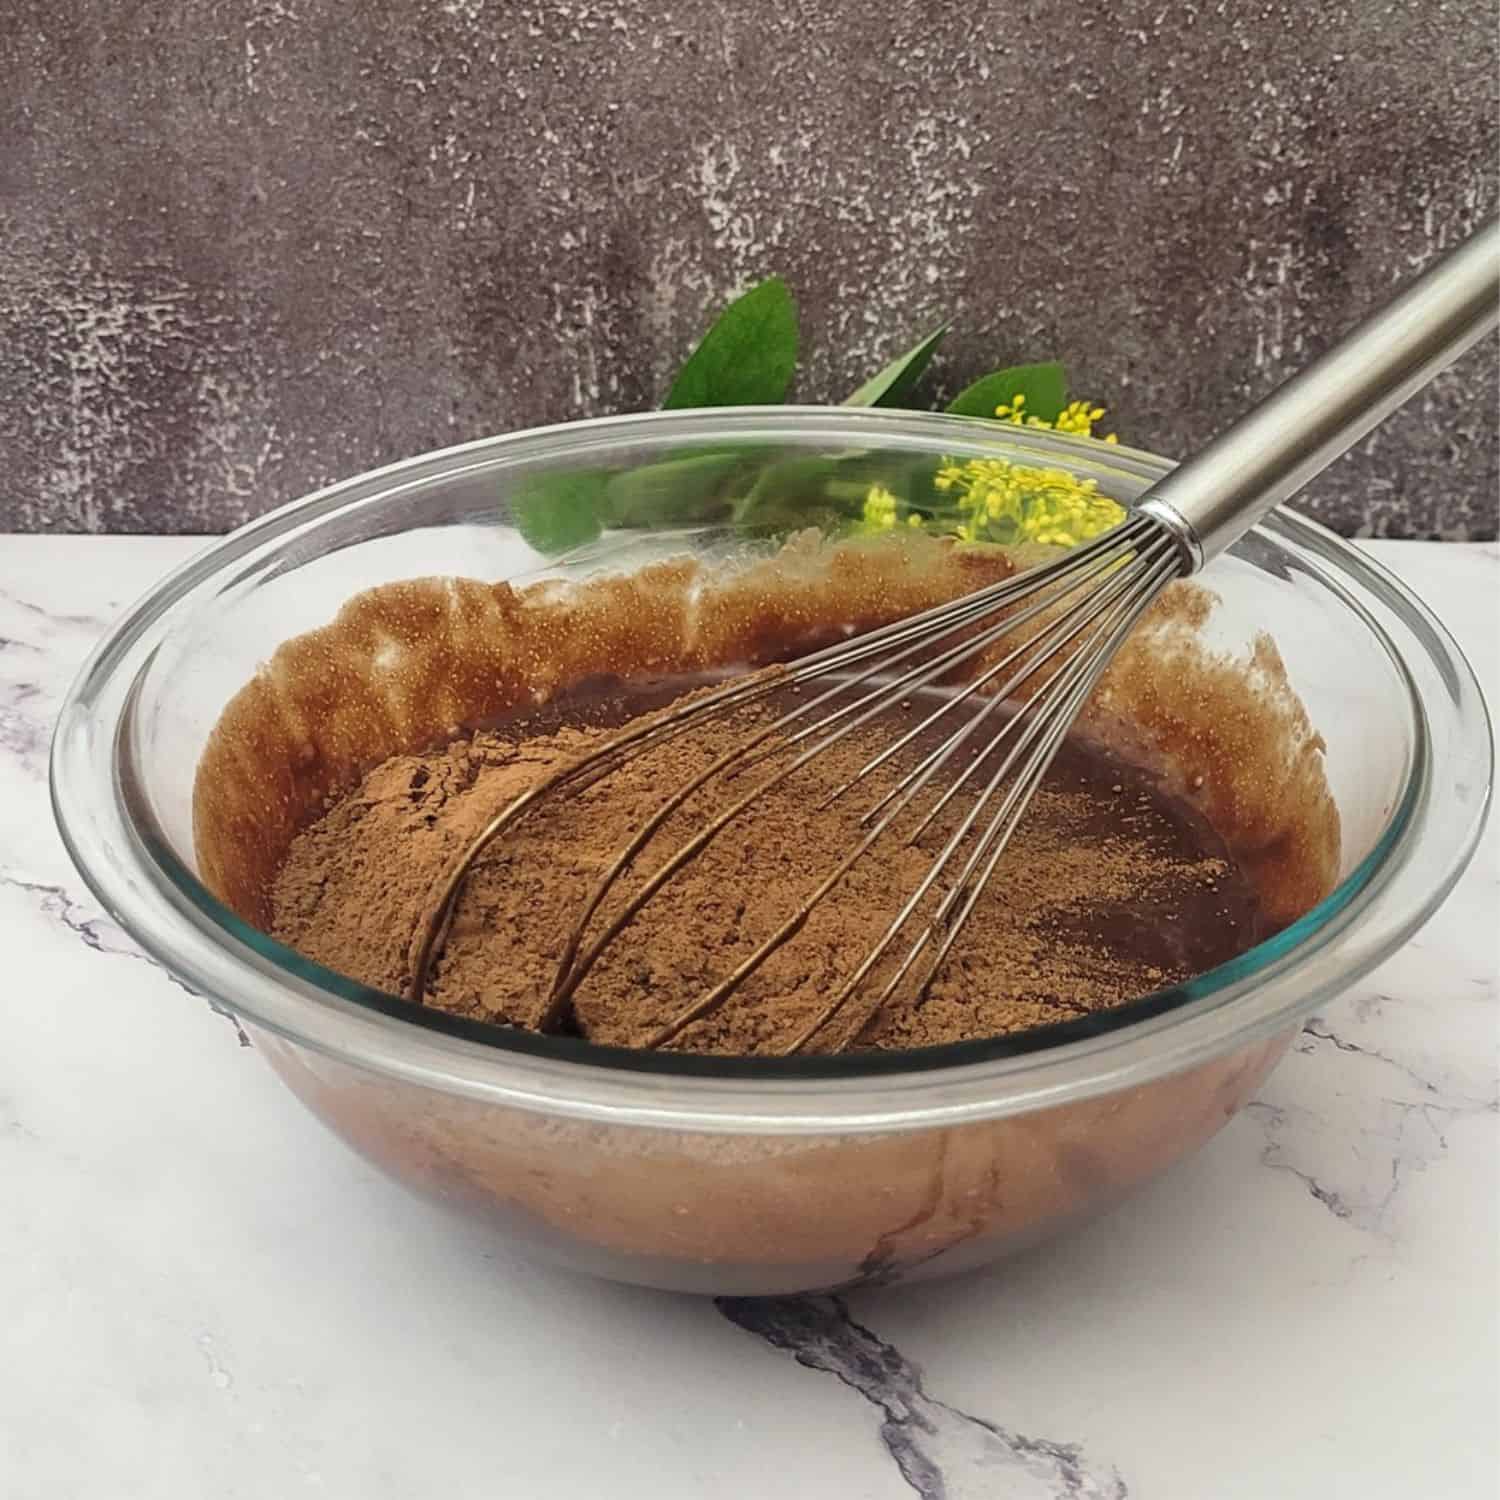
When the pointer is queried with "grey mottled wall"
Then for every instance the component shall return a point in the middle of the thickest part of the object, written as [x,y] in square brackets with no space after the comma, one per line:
[247,246]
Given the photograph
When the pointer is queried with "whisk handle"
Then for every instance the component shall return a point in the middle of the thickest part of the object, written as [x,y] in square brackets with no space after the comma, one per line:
[1210,501]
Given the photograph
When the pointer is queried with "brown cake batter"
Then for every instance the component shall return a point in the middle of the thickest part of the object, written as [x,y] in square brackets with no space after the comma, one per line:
[1112,888]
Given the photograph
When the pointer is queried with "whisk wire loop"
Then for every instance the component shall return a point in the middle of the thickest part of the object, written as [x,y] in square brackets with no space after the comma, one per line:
[1048,619]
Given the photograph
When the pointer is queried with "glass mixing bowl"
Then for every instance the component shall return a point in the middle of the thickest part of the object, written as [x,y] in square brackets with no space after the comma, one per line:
[752,1176]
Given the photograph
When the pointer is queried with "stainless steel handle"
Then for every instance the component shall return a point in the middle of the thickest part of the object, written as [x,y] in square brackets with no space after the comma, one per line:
[1214,498]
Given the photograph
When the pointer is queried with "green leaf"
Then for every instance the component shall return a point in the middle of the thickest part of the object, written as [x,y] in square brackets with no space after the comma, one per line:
[747,357]
[895,383]
[561,511]
[790,495]
[1045,387]
[830,489]
[674,492]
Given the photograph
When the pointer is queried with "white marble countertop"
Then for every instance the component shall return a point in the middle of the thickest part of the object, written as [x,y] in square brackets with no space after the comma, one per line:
[203,1294]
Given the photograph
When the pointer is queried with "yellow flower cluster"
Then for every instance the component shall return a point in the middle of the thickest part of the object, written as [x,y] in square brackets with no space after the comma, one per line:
[999,501]
[1077,417]
[881,510]
[995,500]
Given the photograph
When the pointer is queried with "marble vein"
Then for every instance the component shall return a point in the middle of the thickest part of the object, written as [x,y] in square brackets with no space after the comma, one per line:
[943,1453]
[21,735]
[1375,1120]
[95,932]
[101,935]
[1317,1030]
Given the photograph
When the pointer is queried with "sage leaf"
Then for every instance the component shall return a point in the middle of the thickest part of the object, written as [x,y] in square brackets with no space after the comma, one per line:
[747,356]
[1045,387]
[560,511]
[674,492]
[893,385]
[790,495]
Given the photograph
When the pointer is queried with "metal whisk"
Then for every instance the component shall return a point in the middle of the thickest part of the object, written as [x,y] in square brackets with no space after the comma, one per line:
[1056,628]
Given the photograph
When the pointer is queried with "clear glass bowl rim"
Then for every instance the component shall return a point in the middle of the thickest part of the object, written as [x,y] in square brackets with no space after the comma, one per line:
[177,921]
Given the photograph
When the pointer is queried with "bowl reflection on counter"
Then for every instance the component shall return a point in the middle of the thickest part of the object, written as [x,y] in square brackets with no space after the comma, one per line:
[756,1176]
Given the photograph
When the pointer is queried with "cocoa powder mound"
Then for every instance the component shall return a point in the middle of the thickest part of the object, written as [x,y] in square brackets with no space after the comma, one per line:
[1111,888]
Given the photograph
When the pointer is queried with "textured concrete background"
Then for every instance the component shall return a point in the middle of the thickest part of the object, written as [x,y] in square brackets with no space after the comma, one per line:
[248,246]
